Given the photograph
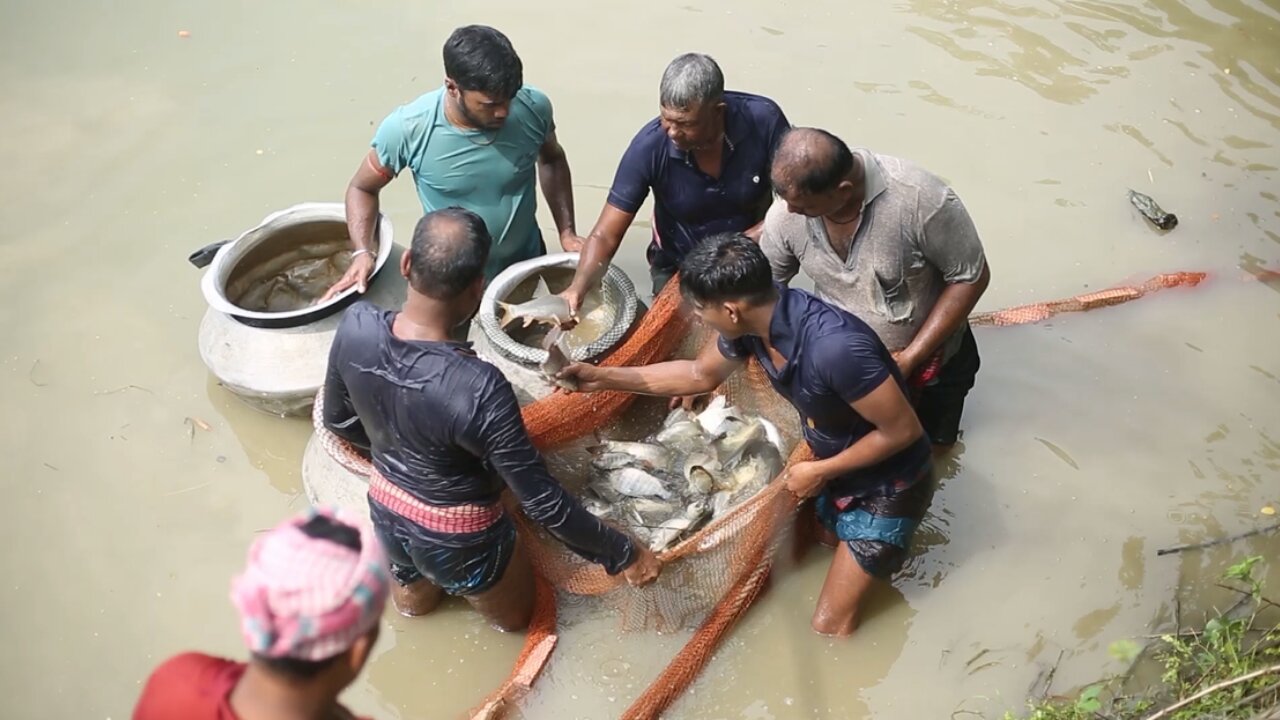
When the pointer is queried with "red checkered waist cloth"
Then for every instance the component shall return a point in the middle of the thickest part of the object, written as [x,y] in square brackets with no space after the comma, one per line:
[454,519]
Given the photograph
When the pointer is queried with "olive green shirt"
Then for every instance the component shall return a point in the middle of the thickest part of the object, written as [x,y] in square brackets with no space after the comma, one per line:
[914,238]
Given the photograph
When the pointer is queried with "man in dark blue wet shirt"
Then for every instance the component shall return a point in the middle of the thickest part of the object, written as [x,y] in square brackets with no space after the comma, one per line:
[706,159]
[871,478]
[445,434]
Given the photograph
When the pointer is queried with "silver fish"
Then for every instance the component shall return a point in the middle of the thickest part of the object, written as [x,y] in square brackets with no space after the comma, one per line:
[543,308]
[683,435]
[666,533]
[720,503]
[749,478]
[557,359]
[652,511]
[606,461]
[599,508]
[647,454]
[700,471]
[678,415]
[731,444]
[634,482]
[717,411]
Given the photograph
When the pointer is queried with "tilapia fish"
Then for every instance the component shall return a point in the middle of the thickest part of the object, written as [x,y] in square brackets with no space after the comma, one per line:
[633,482]
[701,470]
[557,359]
[543,308]
[648,455]
[665,534]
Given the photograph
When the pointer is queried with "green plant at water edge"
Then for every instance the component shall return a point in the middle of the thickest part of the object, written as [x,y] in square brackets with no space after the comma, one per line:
[1229,670]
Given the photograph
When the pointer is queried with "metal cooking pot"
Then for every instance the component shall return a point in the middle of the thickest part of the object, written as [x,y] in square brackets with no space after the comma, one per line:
[228,256]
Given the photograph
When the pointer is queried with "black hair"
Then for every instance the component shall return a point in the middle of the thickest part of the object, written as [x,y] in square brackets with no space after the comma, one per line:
[479,58]
[450,248]
[816,161]
[324,528]
[729,266]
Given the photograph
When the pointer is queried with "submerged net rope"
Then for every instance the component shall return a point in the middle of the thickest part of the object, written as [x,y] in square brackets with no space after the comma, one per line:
[710,578]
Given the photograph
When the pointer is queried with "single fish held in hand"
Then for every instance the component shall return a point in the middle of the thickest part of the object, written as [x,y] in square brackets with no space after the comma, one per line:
[1152,211]
[557,359]
[543,308]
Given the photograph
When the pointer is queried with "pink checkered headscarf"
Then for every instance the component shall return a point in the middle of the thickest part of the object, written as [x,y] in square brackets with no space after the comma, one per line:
[310,598]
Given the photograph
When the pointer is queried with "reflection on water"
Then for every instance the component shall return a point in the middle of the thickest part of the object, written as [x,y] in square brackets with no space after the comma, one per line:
[1162,412]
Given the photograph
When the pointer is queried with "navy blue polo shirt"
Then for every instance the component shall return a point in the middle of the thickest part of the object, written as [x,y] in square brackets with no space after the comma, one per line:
[690,205]
[833,359]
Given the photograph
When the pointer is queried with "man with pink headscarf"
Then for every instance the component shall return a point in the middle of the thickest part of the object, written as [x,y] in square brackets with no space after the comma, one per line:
[309,601]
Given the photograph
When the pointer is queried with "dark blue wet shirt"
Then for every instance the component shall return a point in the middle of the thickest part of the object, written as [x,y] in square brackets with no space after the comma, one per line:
[445,427]
[690,205]
[833,359]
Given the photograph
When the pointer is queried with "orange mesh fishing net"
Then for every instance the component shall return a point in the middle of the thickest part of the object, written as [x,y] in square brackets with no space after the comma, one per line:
[711,577]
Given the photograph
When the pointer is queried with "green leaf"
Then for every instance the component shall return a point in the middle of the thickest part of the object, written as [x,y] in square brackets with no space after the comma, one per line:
[1088,701]
[1243,570]
[1124,650]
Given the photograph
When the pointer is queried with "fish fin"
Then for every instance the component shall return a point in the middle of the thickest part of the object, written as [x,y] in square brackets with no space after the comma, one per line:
[595,449]
[542,288]
[507,315]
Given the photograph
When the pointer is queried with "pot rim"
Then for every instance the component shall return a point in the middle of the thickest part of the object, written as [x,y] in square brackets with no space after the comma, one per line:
[213,284]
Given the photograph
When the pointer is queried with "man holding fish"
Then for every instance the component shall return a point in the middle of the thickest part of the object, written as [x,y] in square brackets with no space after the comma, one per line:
[706,159]
[446,437]
[478,142]
[872,478]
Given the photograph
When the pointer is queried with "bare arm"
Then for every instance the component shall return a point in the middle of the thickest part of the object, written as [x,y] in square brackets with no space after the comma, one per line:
[948,315]
[896,427]
[677,377]
[601,245]
[362,200]
[557,187]
[362,222]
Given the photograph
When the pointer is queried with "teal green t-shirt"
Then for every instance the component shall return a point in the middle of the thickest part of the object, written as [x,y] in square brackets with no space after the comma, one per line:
[491,174]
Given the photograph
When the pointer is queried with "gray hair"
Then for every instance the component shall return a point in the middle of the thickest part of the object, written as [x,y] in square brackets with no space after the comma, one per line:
[691,79]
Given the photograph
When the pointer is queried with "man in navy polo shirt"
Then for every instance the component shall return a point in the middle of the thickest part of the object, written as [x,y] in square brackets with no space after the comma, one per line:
[871,478]
[706,159]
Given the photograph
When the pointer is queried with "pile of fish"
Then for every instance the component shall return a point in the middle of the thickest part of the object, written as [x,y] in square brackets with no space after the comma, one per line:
[694,469]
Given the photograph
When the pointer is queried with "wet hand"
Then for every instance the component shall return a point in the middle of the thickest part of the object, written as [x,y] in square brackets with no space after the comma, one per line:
[586,377]
[572,242]
[644,569]
[357,274]
[907,363]
[574,299]
[804,479]
[688,402]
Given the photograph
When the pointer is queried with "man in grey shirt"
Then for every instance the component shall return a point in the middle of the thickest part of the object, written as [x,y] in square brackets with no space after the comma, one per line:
[889,242]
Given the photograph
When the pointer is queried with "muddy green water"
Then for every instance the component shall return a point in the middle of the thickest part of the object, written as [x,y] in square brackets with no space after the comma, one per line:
[1090,441]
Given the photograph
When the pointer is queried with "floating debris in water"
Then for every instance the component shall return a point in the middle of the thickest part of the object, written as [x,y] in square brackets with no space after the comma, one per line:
[1152,211]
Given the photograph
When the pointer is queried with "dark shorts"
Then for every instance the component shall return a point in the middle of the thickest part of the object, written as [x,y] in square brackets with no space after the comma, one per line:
[878,530]
[940,403]
[460,564]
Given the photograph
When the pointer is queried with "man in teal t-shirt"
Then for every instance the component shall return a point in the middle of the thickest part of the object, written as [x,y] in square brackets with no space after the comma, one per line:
[478,143]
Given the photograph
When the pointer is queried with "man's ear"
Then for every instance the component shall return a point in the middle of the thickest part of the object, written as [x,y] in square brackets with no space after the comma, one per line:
[404,264]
